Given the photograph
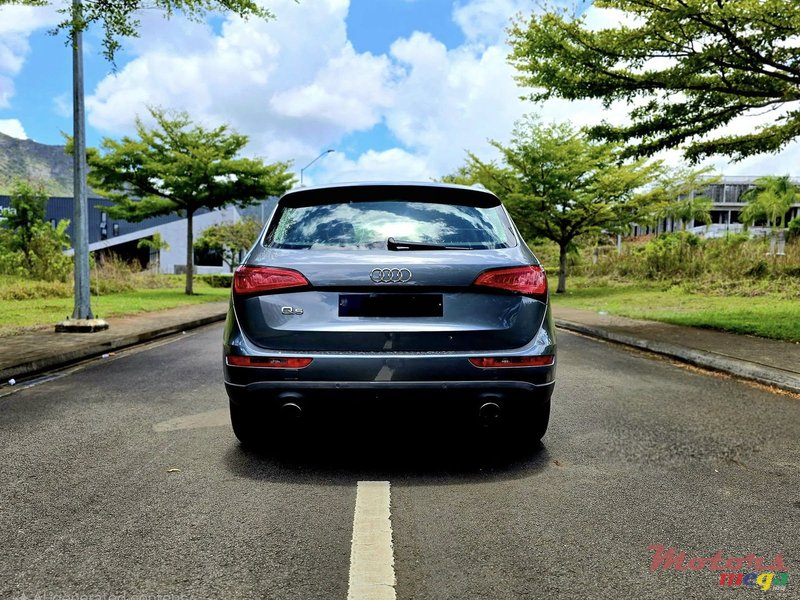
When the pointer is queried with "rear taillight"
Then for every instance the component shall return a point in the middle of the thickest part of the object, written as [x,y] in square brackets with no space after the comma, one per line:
[495,362]
[273,362]
[529,280]
[251,280]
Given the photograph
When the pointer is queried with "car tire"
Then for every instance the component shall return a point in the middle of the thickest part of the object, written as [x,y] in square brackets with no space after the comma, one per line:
[245,422]
[534,420]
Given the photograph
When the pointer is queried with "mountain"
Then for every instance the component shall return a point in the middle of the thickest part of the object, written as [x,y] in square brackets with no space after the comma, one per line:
[26,159]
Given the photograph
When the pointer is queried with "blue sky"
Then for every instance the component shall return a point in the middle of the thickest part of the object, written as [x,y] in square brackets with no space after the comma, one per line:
[372,25]
[401,89]
[42,99]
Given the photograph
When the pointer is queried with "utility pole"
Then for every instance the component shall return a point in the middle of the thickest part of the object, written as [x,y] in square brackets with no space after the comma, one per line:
[82,320]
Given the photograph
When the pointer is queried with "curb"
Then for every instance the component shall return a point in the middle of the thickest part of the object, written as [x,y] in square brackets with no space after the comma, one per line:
[38,366]
[770,376]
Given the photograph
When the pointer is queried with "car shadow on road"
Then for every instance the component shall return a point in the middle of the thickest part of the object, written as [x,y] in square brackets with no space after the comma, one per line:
[408,455]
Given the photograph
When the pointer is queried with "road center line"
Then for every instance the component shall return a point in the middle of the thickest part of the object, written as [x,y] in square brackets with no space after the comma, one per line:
[371,554]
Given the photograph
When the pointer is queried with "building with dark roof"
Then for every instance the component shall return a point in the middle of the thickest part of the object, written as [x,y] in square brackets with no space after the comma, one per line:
[120,237]
[726,196]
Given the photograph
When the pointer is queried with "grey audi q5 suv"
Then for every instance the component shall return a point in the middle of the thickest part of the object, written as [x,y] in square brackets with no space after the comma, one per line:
[404,299]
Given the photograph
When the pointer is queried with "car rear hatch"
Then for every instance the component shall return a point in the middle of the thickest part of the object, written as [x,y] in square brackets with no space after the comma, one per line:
[307,288]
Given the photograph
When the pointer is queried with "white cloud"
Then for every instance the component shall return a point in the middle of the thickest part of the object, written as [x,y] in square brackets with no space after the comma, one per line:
[297,86]
[62,105]
[16,25]
[351,89]
[785,162]
[6,91]
[13,128]
[389,165]
[486,20]
[451,101]
[606,18]
[293,85]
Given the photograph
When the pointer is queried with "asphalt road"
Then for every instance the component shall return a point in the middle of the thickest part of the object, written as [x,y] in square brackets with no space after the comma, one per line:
[123,479]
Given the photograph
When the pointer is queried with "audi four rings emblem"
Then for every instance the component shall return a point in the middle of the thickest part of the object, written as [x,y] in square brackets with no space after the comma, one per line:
[390,275]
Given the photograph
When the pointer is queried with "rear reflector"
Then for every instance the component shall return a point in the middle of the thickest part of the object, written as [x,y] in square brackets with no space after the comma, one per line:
[529,280]
[494,362]
[251,280]
[271,362]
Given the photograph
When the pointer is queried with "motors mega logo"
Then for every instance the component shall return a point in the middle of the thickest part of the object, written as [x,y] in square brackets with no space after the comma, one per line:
[749,571]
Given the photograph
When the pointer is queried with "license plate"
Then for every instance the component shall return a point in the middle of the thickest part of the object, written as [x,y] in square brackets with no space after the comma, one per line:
[390,305]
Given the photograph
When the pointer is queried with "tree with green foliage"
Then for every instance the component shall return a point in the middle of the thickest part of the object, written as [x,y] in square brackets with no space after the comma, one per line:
[118,20]
[179,168]
[47,260]
[686,69]
[155,244]
[690,209]
[680,195]
[229,240]
[28,202]
[560,185]
[770,199]
[29,245]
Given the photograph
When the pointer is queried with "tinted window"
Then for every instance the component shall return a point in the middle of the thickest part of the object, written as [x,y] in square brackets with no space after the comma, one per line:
[364,225]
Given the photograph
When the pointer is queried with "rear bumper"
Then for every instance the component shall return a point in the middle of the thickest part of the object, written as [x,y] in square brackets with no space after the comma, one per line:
[262,389]
[397,400]
[402,383]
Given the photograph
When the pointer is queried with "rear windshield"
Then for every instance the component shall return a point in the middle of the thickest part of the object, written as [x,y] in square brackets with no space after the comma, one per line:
[370,225]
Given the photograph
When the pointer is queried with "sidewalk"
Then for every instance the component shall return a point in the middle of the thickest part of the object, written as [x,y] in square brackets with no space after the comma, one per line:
[32,353]
[766,361]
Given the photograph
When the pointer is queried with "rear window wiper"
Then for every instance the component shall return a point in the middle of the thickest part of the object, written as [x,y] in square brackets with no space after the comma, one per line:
[393,244]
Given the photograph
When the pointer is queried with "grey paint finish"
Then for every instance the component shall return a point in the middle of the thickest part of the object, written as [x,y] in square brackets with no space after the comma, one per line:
[378,354]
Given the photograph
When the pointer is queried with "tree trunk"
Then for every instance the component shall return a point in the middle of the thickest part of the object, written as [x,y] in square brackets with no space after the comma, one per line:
[189,253]
[562,270]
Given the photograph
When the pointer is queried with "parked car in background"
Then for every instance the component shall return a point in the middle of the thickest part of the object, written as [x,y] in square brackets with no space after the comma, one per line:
[404,299]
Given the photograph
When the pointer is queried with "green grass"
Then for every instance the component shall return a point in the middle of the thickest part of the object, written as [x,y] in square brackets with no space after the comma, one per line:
[16,315]
[761,308]
[768,314]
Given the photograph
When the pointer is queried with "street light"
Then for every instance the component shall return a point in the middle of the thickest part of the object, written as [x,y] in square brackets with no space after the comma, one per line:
[328,151]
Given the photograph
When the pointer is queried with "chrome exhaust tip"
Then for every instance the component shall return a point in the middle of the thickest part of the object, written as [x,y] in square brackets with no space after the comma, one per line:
[291,412]
[489,413]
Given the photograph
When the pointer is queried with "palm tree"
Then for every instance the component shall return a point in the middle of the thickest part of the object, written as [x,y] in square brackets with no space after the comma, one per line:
[694,208]
[771,199]
[680,196]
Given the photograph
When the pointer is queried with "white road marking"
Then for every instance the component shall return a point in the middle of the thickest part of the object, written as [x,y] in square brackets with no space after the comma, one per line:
[371,554]
[212,418]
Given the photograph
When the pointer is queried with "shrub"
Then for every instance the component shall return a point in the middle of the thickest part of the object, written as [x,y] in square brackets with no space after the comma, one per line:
[26,289]
[47,261]
[758,269]
[110,274]
[217,280]
[793,232]
[12,262]
[673,254]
